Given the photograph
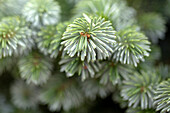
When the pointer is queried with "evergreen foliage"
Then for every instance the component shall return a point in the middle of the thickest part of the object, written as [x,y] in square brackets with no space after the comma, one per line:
[164,71]
[116,97]
[42,12]
[162,97]
[139,89]
[24,96]
[153,25]
[75,65]
[5,107]
[113,72]
[92,89]
[138,110]
[35,68]
[61,92]
[14,34]
[90,38]
[68,56]
[123,15]
[10,8]
[50,38]
[131,46]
